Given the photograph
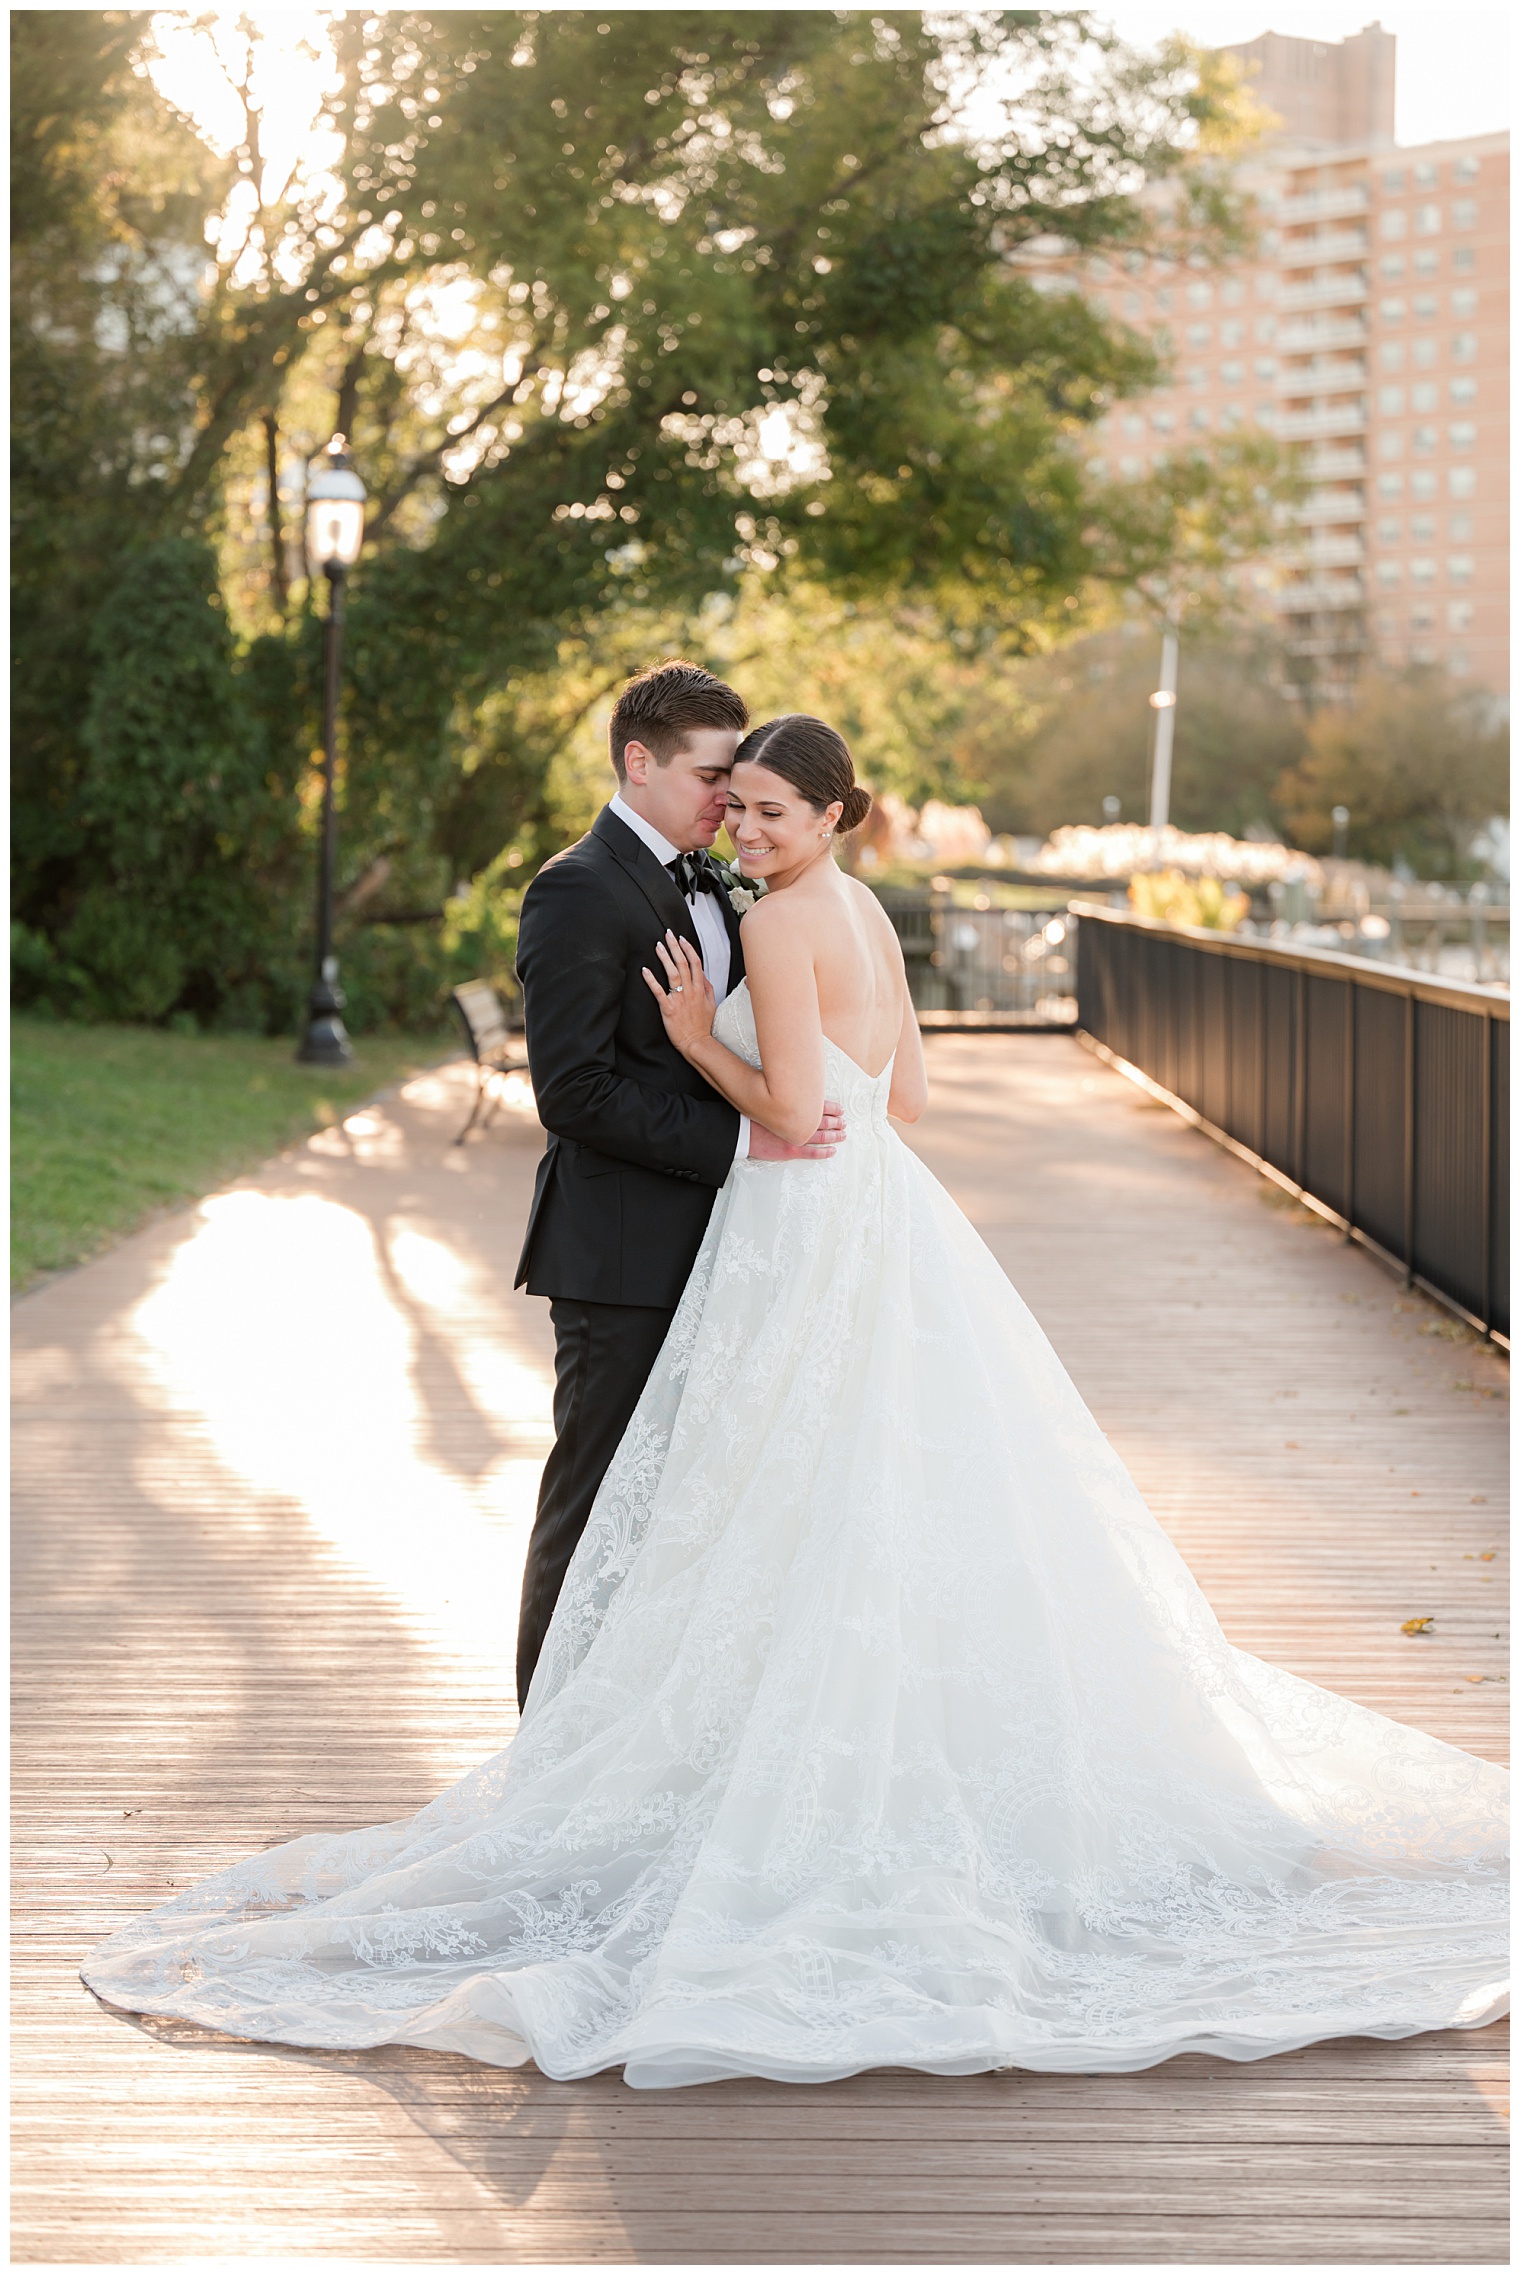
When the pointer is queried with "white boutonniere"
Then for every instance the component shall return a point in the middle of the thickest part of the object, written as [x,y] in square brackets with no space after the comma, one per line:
[742,891]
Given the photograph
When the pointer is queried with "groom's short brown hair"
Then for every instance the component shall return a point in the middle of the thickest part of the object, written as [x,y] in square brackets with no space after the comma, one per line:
[659,705]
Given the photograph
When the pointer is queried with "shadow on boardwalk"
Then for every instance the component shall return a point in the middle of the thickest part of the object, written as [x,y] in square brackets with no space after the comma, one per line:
[275,1462]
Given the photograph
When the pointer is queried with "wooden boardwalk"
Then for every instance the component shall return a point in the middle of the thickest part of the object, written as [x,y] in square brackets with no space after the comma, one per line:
[275,1457]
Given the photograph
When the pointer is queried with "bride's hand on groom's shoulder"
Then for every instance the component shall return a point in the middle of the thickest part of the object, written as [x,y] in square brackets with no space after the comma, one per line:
[687,1002]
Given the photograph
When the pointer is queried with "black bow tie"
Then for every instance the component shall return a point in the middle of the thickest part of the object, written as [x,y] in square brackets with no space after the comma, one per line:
[692,875]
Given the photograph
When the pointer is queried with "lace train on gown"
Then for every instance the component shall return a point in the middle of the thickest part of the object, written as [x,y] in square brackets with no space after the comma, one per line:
[879,1723]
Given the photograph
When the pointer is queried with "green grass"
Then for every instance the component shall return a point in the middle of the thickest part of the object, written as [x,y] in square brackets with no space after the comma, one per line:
[111,1124]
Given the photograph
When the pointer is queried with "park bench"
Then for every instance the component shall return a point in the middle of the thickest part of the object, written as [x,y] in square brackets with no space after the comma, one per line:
[494,1048]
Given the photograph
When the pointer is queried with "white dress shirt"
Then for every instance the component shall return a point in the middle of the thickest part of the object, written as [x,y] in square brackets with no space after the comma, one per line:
[706,916]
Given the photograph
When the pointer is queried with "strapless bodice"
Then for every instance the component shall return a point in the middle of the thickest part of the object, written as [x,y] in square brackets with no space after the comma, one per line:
[862,1096]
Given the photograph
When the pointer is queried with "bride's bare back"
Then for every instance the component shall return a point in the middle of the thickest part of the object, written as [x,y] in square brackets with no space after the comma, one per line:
[823,961]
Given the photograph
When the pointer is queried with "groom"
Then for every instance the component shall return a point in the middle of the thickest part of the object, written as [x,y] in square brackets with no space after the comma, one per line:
[638,1142]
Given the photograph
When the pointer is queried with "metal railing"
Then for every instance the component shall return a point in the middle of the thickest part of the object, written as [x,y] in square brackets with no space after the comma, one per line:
[977,966]
[1379,1096]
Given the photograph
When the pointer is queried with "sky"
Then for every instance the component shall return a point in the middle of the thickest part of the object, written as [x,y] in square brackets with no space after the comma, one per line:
[1452,66]
[1453,59]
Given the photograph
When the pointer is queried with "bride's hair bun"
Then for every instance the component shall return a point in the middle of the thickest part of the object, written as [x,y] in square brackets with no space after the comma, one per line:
[814,758]
[857,804]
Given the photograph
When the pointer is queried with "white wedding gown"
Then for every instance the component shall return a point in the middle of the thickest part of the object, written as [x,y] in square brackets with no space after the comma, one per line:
[879,1723]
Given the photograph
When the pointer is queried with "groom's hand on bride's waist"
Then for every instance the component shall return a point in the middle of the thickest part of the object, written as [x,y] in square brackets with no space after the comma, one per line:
[764,1145]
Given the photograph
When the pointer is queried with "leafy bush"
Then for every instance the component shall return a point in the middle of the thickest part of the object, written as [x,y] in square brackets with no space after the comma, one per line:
[1174,898]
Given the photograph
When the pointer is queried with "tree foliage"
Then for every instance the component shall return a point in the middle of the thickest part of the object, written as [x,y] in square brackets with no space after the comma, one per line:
[1076,728]
[620,315]
[1419,762]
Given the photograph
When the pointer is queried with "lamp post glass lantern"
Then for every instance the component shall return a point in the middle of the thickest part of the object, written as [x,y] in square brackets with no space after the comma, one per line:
[334,535]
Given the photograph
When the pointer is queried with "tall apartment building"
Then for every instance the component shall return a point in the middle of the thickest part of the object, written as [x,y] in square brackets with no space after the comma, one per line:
[1370,330]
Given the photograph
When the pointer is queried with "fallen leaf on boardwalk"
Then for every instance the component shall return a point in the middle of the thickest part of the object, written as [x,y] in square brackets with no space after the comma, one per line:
[1488,1556]
[1417,1626]
[1475,1678]
[1291,1444]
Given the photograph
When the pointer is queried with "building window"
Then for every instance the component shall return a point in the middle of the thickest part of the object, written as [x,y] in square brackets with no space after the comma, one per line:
[1424,308]
[1266,414]
[1422,572]
[1392,311]
[1392,268]
[1427,263]
[1390,532]
[1425,397]
[1459,615]
[1463,434]
[1459,569]
[1134,424]
[1464,214]
[1131,466]
[1463,258]
[1391,355]
[1393,223]
[1390,485]
[1464,391]
[1230,415]
[1266,284]
[1232,292]
[1198,418]
[1198,335]
[1388,572]
[1423,441]
[1422,620]
[1391,402]
[1134,263]
[1422,483]
[1393,181]
[1424,353]
[1460,531]
[1198,378]
[1390,443]
[1426,174]
[1232,373]
[1422,529]
[1200,296]
[1465,170]
[1464,347]
[1461,482]
[1231,335]
[1427,221]
[1132,304]
[1163,421]
[1266,332]
[1457,664]
[1266,367]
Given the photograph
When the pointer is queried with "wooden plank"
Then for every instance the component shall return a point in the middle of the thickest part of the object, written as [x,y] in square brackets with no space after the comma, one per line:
[225,1636]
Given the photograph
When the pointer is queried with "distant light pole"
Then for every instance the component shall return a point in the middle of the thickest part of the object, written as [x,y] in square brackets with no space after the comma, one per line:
[1164,704]
[334,534]
[1111,810]
[1340,817]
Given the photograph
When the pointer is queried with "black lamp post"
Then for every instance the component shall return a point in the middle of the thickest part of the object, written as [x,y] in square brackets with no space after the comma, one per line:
[334,534]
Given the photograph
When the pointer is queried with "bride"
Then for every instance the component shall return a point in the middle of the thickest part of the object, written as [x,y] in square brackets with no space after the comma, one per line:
[879,1722]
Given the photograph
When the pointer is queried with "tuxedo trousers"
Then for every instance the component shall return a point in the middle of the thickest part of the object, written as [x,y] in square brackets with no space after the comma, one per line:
[603,1354]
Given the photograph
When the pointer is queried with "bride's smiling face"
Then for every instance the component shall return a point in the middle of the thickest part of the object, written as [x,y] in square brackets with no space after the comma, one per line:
[774,828]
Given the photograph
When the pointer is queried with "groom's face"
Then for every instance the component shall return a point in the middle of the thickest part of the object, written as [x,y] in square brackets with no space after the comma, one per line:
[687,797]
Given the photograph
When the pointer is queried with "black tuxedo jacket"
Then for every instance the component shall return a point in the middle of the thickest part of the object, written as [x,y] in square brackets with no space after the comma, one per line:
[638,1141]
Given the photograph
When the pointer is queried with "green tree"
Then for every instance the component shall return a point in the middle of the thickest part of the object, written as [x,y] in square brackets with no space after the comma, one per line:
[1078,730]
[618,314]
[1418,760]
